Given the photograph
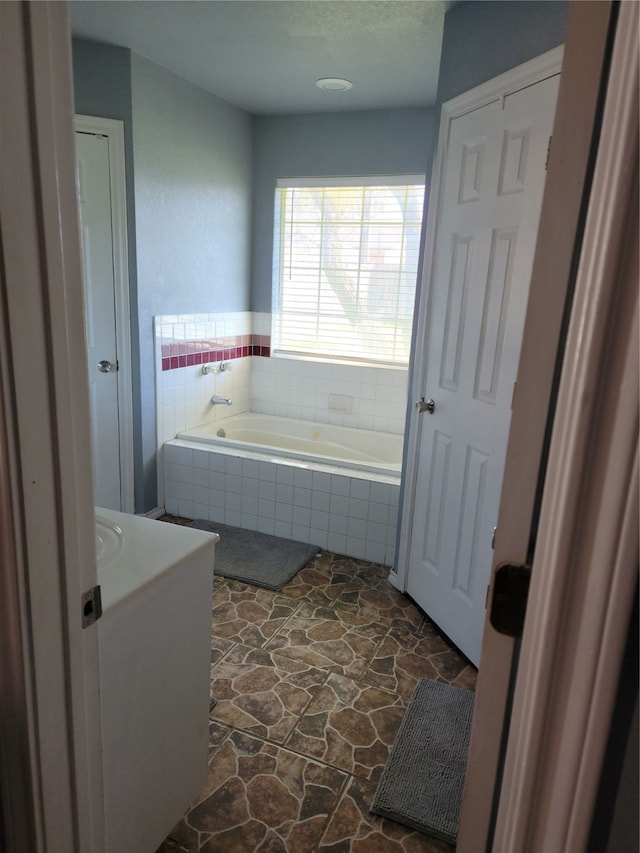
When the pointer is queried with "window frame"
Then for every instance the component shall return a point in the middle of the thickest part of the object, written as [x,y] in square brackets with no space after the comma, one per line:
[334,182]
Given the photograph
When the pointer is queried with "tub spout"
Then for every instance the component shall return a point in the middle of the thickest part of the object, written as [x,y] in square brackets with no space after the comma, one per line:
[224,401]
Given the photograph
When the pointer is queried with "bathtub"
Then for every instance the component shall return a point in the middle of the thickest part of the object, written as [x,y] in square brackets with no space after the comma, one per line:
[329,486]
[363,450]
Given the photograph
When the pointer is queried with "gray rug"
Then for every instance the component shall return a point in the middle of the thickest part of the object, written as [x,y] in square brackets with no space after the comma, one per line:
[421,785]
[256,558]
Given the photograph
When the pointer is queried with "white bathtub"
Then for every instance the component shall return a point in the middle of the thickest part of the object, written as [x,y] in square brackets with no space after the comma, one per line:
[296,479]
[363,450]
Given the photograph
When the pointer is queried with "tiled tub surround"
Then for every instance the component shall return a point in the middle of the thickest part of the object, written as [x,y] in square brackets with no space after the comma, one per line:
[341,394]
[184,342]
[372,398]
[354,514]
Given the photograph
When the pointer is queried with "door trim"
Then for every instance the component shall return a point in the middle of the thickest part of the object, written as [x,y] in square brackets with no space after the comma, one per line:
[527,74]
[114,130]
[559,233]
[585,567]
[45,408]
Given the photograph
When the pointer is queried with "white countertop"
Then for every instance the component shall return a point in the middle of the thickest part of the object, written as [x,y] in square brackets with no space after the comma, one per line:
[133,550]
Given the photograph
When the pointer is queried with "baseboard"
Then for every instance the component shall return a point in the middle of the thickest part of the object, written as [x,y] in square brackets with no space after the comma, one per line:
[394,580]
[156,512]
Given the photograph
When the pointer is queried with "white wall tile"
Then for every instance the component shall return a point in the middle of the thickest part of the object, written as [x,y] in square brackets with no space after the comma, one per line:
[357,528]
[266,525]
[302,497]
[233,502]
[233,483]
[234,465]
[266,508]
[378,513]
[319,520]
[356,547]
[201,510]
[284,512]
[250,468]
[303,478]
[249,505]
[201,494]
[284,494]
[285,475]
[360,489]
[171,488]
[217,498]
[250,487]
[267,472]
[171,504]
[321,482]
[380,492]
[282,528]
[267,490]
[249,522]
[318,537]
[375,552]
[233,517]
[377,533]
[337,523]
[218,462]
[320,500]
[301,516]
[300,533]
[185,509]
[340,485]
[339,505]
[358,508]
[337,543]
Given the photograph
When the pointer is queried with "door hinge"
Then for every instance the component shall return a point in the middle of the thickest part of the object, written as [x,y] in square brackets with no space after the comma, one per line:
[91,606]
[510,594]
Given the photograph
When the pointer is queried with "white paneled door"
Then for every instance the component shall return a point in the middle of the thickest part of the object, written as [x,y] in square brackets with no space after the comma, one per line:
[107,388]
[489,204]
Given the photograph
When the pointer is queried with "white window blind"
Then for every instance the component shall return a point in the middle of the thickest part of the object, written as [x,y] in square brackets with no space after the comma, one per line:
[345,267]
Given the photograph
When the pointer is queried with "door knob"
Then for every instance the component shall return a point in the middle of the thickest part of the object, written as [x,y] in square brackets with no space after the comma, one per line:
[105,366]
[425,406]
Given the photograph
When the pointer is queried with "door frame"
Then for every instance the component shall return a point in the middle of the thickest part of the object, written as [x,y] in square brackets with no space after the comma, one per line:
[50,725]
[585,569]
[575,137]
[527,74]
[113,129]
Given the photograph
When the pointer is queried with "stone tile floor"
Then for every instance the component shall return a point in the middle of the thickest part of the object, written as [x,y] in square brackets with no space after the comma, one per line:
[311,685]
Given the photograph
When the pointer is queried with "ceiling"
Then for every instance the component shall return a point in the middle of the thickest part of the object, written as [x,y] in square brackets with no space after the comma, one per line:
[265,55]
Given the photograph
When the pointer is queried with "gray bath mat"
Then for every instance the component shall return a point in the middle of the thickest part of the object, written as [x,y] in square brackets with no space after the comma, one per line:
[421,785]
[256,558]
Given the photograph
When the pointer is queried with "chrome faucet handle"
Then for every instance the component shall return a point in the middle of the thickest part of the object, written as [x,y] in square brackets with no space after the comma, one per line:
[225,365]
[209,368]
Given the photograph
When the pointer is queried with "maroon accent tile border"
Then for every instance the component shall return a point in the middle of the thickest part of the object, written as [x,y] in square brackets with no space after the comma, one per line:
[189,353]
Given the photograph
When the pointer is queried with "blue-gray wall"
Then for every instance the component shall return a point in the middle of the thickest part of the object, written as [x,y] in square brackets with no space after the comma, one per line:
[484,39]
[188,162]
[192,156]
[376,142]
[102,87]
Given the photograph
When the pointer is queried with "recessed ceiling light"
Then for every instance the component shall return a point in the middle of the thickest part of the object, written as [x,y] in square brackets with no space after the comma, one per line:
[334,84]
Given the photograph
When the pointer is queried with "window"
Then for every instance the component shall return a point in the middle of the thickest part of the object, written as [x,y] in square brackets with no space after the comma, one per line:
[345,267]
